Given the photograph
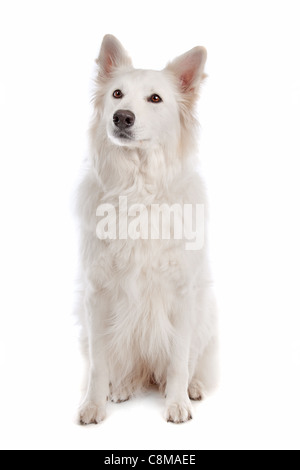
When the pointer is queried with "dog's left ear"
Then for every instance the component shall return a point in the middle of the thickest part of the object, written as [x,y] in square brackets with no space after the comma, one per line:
[112,55]
[189,69]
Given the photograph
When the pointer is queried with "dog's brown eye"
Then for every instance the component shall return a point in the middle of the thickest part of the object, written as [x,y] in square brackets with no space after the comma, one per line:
[155,99]
[118,94]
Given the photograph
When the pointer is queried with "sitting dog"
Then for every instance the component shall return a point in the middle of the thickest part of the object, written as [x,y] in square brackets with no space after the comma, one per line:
[147,309]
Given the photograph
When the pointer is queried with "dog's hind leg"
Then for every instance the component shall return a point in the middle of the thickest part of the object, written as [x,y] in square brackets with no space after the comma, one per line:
[120,394]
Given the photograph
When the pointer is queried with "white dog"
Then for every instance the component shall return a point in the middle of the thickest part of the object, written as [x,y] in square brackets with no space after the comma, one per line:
[148,314]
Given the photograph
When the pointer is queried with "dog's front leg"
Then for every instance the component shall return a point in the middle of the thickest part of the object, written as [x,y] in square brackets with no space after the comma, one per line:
[93,409]
[178,405]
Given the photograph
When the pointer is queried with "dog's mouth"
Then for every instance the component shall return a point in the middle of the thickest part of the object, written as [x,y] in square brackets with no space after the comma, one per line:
[125,135]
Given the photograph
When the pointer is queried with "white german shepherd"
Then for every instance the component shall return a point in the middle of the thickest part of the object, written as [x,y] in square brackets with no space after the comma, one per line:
[148,314]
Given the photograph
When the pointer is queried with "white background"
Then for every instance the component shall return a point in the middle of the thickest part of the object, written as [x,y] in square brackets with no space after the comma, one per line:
[250,151]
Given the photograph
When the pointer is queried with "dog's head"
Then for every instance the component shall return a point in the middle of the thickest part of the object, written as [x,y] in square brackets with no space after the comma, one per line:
[143,108]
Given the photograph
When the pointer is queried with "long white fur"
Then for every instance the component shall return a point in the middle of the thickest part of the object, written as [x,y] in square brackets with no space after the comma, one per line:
[147,310]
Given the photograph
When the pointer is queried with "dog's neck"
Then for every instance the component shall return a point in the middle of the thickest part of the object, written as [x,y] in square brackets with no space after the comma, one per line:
[136,171]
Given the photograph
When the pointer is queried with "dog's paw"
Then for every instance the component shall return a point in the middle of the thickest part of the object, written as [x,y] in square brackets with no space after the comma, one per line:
[90,413]
[121,395]
[179,412]
[196,390]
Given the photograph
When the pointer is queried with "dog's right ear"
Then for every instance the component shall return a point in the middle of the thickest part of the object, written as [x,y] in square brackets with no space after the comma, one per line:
[189,69]
[112,56]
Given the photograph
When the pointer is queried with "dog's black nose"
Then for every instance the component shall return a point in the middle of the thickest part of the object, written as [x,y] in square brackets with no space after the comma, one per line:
[123,119]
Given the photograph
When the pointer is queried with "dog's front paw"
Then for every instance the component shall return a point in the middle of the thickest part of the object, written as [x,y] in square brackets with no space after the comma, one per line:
[179,412]
[90,413]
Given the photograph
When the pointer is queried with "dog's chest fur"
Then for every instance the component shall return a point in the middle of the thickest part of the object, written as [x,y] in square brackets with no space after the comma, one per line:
[141,278]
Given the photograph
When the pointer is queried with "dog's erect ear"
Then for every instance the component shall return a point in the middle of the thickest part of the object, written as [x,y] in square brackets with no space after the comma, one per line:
[112,56]
[189,69]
